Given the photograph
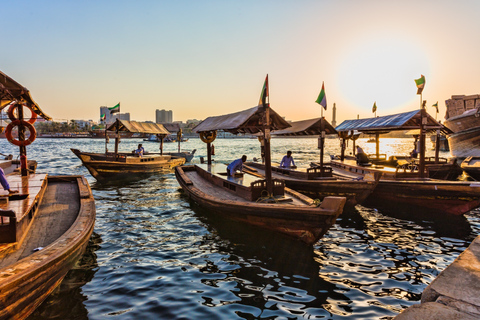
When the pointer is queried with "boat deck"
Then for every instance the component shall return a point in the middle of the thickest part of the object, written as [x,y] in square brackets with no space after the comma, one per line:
[24,204]
[237,188]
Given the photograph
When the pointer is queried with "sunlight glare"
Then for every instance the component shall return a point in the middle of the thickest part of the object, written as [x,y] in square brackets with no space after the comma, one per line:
[382,70]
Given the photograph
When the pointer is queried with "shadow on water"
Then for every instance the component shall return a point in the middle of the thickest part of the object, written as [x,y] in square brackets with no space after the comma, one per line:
[444,225]
[285,268]
[67,300]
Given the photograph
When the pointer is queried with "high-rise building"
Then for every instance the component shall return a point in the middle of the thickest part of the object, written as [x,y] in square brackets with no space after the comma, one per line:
[163,116]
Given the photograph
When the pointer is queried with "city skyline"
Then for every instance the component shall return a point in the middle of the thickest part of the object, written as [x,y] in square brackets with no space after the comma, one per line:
[210,58]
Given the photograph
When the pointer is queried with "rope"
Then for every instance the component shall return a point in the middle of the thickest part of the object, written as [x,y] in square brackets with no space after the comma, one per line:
[317,202]
[265,197]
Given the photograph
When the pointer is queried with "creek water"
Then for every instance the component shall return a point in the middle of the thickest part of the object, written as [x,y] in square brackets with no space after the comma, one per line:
[155,255]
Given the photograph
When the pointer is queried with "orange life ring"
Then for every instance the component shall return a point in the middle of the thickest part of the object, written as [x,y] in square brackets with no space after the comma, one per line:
[12,117]
[26,124]
[208,136]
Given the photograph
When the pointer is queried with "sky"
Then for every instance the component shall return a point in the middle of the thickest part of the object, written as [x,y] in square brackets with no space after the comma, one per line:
[208,58]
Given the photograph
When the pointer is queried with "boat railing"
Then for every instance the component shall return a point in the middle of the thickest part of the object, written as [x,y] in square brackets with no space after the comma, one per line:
[259,187]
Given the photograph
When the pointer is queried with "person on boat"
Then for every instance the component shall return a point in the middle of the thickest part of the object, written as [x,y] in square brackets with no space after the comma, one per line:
[361,156]
[287,161]
[414,153]
[140,150]
[4,182]
[236,165]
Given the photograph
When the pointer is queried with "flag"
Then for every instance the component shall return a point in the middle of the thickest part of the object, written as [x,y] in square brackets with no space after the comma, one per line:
[374,109]
[322,98]
[264,94]
[103,117]
[114,109]
[420,84]
[436,106]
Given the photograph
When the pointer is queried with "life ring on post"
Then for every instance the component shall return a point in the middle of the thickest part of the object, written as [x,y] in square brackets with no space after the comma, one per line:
[11,114]
[208,136]
[26,124]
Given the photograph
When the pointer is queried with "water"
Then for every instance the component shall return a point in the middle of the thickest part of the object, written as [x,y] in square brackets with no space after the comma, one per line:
[153,255]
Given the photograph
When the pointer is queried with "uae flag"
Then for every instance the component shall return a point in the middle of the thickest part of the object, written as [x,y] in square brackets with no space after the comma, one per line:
[374,108]
[115,109]
[436,106]
[103,117]
[264,94]
[420,84]
[322,99]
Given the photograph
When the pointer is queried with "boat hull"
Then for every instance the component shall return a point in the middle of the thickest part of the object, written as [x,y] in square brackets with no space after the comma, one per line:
[26,283]
[104,169]
[471,165]
[437,196]
[306,222]
[465,143]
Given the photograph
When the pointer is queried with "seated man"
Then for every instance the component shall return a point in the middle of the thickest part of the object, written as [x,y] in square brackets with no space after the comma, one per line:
[140,150]
[361,157]
[287,161]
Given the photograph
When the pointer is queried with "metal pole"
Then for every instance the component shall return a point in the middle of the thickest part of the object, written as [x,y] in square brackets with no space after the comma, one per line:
[322,143]
[21,137]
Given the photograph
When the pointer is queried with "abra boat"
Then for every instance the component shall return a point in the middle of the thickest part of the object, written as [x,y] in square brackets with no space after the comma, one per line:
[318,181]
[128,165]
[408,184]
[45,226]
[266,203]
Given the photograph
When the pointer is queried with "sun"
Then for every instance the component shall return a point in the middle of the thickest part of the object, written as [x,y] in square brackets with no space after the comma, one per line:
[381,70]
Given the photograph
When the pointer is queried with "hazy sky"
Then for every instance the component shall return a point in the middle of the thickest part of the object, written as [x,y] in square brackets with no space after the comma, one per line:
[206,58]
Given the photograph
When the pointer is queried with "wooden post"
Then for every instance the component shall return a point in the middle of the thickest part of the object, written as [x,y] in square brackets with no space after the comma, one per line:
[437,146]
[322,144]
[161,144]
[342,154]
[423,119]
[268,159]
[21,137]
[117,138]
[209,153]
[377,144]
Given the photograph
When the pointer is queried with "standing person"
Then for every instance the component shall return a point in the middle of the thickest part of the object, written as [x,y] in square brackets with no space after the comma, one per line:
[287,161]
[236,165]
[4,182]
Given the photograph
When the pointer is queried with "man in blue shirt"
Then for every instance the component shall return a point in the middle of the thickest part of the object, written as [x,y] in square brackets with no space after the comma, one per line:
[287,161]
[236,165]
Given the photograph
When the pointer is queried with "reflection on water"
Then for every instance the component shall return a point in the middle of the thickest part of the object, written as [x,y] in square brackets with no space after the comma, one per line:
[155,255]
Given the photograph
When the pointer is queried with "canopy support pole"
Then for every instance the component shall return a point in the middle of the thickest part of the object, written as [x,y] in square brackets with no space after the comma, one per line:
[209,153]
[437,146]
[268,159]
[322,143]
[117,137]
[423,119]
[377,145]
[21,137]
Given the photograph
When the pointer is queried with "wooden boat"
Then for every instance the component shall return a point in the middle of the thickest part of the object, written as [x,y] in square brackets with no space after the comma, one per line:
[116,165]
[463,118]
[41,238]
[104,167]
[318,181]
[45,226]
[397,187]
[240,198]
[311,183]
[408,185]
[471,165]
[261,202]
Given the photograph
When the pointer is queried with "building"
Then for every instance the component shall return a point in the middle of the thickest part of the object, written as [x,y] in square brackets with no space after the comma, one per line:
[110,118]
[163,116]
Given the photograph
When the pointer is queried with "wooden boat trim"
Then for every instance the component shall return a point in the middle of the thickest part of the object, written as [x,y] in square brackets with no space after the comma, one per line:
[26,283]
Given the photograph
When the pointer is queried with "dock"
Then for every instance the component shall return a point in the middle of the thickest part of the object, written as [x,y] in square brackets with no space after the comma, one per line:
[454,294]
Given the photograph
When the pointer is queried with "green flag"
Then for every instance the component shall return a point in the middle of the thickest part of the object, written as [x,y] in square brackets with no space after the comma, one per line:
[114,109]
[264,94]
[436,106]
[322,98]
[103,117]
[420,84]
[374,109]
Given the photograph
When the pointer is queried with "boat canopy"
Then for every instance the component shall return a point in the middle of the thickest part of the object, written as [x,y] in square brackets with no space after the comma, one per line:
[309,127]
[138,127]
[13,92]
[172,127]
[247,121]
[400,121]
